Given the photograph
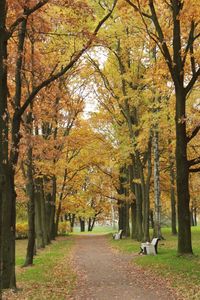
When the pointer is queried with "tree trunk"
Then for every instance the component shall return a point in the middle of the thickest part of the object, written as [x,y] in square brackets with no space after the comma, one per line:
[151,218]
[182,176]
[133,220]
[89,224]
[53,209]
[157,221]
[31,211]
[38,215]
[72,221]
[82,224]
[126,229]
[147,202]
[44,216]
[195,216]
[123,206]
[7,231]
[173,198]
[139,217]
[58,217]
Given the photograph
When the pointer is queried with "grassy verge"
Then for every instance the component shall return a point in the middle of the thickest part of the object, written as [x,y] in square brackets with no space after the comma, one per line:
[182,272]
[51,277]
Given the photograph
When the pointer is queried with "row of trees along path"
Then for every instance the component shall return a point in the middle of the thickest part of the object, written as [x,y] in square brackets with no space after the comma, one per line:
[151,61]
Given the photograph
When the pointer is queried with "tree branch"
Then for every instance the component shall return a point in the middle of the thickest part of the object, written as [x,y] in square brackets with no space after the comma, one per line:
[194,161]
[162,41]
[192,81]
[27,12]
[194,133]
[196,170]
[137,9]
[52,78]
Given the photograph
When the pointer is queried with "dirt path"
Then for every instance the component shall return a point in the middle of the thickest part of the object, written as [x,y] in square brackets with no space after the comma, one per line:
[104,274]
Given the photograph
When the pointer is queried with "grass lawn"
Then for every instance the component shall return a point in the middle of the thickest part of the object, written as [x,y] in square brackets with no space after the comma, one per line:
[96,230]
[51,277]
[182,272]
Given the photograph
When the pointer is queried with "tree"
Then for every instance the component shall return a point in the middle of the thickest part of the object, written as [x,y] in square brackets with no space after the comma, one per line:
[182,61]
[9,155]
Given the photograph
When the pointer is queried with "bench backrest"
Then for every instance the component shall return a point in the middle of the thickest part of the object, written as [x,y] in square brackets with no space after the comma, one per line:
[154,241]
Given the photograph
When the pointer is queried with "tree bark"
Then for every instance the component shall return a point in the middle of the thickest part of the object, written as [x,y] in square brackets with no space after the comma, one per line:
[157,220]
[133,220]
[182,176]
[38,215]
[173,197]
[82,224]
[31,211]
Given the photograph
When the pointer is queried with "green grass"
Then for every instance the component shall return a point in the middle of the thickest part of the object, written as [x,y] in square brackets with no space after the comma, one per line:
[51,276]
[96,230]
[182,271]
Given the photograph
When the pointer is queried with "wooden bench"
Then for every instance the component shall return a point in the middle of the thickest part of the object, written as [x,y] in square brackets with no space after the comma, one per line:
[150,248]
[118,235]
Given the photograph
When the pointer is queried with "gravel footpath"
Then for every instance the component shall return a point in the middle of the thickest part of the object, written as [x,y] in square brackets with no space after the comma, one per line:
[106,274]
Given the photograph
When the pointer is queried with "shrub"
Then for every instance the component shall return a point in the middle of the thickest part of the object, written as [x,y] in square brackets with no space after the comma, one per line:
[21,230]
[64,228]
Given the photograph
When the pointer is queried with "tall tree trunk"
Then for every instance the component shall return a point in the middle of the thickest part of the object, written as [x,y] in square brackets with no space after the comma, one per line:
[120,215]
[44,216]
[147,192]
[133,220]
[133,204]
[3,127]
[58,217]
[151,218]
[38,215]
[182,176]
[123,206]
[53,209]
[157,201]
[31,211]
[7,271]
[126,229]
[173,197]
